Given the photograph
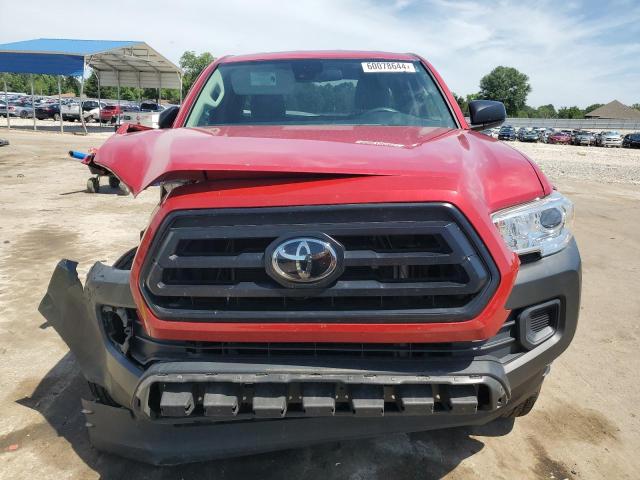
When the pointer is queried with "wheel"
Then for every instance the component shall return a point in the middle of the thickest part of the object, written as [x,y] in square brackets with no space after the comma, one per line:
[23,114]
[114,182]
[56,117]
[101,395]
[523,408]
[93,185]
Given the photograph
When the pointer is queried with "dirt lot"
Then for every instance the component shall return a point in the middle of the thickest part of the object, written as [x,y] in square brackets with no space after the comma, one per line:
[585,426]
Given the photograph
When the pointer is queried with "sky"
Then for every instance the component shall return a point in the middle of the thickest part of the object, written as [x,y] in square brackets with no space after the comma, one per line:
[574,52]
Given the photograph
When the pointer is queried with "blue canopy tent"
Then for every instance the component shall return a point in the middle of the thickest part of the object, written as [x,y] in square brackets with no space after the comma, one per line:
[116,63]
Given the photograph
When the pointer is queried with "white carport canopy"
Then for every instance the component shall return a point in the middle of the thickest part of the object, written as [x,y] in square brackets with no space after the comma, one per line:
[117,63]
[136,65]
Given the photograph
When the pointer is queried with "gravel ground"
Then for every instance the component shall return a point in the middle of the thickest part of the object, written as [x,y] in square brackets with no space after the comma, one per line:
[593,164]
[49,125]
[585,425]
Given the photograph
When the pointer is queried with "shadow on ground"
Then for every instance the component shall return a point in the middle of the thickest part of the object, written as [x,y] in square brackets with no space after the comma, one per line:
[104,190]
[423,455]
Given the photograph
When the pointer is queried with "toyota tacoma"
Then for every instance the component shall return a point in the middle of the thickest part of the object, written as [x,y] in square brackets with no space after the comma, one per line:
[337,253]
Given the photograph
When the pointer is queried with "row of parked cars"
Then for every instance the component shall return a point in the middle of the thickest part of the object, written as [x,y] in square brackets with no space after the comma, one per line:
[69,109]
[565,137]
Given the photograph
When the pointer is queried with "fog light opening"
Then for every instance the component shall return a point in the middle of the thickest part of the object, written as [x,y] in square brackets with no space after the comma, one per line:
[117,326]
[538,323]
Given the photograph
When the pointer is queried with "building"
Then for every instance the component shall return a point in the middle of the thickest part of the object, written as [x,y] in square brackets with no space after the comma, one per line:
[614,110]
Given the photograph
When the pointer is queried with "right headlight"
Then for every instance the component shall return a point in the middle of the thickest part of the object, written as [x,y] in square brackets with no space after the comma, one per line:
[542,226]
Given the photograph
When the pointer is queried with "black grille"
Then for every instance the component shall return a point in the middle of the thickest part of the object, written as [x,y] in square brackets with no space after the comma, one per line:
[403,263]
[540,321]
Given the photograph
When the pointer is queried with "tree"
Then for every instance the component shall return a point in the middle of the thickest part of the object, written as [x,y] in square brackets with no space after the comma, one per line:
[42,84]
[636,106]
[546,111]
[462,103]
[593,107]
[192,65]
[70,85]
[527,112]
[507,85]
[570,112]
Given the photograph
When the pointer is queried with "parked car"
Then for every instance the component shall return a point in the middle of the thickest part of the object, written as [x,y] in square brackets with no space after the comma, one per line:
[24,109]
[631,140]
[610,139]
[109,113]
[272,303]
[507,133]
[71,110]
[563,138]
[147,106]
[491,132]
[48,110]
[544,135]
[93,114]
[598,137]
[495,131]
[148,115]
[528,135]
[9,111]
[584,138]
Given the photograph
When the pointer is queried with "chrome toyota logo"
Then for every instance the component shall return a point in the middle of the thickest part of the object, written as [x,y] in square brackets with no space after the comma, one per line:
[300,261]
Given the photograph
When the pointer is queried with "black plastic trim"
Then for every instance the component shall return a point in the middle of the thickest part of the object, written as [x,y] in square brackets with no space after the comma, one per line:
[446,219]
[75,316]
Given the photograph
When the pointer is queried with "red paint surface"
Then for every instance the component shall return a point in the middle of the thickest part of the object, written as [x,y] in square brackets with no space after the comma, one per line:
[253,166]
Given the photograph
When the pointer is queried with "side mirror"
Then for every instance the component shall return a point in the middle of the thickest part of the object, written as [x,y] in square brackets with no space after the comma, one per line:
[167,117]
[486,114]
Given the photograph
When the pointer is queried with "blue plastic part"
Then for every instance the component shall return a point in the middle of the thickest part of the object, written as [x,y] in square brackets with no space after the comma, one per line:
[77,154]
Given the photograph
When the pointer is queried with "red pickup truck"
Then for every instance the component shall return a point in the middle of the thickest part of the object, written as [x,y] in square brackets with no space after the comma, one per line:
[336,254]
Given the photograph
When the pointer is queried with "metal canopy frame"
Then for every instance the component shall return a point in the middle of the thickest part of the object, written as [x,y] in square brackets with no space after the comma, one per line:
[115,63]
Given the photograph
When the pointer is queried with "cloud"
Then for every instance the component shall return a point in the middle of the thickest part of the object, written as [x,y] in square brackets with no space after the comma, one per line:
[574,53]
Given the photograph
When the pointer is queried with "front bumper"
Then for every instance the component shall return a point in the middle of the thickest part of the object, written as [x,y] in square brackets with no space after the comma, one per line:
[134,431]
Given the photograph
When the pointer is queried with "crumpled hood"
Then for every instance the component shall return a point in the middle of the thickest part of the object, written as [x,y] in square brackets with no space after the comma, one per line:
[141,159]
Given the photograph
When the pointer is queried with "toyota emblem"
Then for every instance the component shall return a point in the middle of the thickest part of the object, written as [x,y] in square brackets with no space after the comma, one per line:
[305,261]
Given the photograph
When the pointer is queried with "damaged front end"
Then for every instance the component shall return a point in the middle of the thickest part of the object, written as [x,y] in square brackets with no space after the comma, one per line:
[73,311]
[169,402]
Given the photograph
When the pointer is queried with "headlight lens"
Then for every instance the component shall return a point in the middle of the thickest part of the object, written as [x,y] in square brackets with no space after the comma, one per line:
[542,226]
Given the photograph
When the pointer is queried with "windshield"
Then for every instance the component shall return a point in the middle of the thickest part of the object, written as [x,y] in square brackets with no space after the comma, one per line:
[321,92]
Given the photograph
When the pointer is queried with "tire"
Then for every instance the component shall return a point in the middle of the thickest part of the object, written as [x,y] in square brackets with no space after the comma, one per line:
[101,395]
[23,114]
[524,407]
[114,182]
[56,117]
[93,185]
